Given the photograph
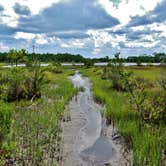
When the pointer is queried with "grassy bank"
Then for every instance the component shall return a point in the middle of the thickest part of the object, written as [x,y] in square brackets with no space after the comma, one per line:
[147,143]
[33,136]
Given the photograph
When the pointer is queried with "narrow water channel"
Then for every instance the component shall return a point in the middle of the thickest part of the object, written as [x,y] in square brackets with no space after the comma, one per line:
[85,139]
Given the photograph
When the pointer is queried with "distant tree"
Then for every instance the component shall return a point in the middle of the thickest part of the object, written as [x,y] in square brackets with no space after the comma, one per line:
[138,62]
[88,63]
[16,56]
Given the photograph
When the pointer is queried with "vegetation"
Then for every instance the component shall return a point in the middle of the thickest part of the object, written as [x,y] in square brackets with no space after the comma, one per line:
[15,56]
[135,103]
[156,58]
[20,83]
[33,99]
[32,104]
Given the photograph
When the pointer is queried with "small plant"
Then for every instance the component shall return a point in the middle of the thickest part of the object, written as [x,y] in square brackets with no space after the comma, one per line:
[115,75]
[34,80]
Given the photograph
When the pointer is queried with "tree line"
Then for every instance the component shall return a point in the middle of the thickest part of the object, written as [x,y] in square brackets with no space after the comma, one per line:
[19,56]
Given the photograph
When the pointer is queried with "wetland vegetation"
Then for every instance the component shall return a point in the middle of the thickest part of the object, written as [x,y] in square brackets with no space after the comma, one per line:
[33,101]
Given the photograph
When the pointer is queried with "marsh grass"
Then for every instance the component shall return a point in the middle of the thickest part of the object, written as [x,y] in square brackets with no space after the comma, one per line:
[35,131]
[147,144]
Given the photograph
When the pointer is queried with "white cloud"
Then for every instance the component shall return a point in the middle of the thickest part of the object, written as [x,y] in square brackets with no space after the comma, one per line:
[65,45]
[36,6]
[138,28]
[41,39]
[148,37]
[24,35]
[99,42]
[38,38]
[101,38]
[159,27]
[128,8]
[135,44]
[77,43]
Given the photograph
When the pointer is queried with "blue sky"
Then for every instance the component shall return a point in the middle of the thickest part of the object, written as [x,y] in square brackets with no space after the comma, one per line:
[93,28]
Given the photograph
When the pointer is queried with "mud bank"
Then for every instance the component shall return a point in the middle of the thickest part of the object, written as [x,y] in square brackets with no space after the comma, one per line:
[87,141]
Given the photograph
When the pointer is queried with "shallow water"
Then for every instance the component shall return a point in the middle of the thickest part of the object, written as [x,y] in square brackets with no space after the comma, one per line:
[86,142]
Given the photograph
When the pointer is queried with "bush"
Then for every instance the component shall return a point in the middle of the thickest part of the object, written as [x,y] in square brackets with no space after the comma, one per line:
[33,83]
[15,85]
[22,84]
[116,74]
[55,68]
[154,108]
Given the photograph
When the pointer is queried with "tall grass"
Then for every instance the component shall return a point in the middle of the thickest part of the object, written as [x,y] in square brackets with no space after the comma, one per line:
[35,131]
[147,143]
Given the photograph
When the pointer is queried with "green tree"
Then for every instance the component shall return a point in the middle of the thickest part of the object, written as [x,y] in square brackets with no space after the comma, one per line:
[88,63]
[16,56]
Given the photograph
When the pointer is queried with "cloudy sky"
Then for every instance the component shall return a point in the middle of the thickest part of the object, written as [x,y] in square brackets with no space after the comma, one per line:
[93,28]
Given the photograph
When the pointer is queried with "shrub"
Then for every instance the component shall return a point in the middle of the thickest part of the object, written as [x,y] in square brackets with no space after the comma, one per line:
[33,83]
[154,108]
[22,84]
[15,86]
[55,68]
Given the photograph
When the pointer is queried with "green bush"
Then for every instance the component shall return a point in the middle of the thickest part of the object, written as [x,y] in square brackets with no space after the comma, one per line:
[154,108]
[146,137]
[19,83]
[55,68]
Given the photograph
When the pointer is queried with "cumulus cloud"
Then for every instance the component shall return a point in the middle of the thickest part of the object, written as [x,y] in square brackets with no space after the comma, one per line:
[71,15]
[127,9]
[157,15]
[88,27]
[22,10]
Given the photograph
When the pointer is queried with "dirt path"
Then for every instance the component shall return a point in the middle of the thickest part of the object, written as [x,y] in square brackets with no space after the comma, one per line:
[86,139]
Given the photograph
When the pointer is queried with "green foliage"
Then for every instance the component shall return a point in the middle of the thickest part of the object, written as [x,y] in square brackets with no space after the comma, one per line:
[155,58]
[162,79]
[148,144]
[15,86]
[106,74]
[138,62]
[6,112]
[36,128]
[88,63]
[19,83]
[5,120]
[16,56]
[154,109]
[30,131]
[55,68]
[149,109]
[34,80]
[66,57]
[116,74]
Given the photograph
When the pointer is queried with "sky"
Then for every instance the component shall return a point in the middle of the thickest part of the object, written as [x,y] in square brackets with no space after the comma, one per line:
[92,28]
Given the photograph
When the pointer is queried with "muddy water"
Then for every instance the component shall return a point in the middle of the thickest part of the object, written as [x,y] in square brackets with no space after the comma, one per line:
[86,139]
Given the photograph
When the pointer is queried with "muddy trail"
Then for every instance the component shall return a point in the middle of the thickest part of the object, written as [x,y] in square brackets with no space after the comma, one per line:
[87,141]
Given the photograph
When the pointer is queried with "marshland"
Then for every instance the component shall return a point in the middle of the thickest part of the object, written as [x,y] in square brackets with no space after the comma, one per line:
[82,83]
[90,115]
